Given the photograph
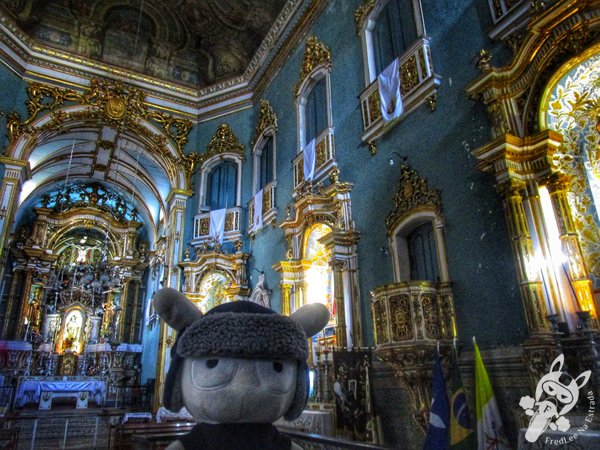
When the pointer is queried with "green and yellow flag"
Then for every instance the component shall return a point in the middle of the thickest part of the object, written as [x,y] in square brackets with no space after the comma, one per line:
[462,435]
[490,431]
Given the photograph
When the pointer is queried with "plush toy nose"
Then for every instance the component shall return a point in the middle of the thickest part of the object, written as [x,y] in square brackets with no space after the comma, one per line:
[247,373]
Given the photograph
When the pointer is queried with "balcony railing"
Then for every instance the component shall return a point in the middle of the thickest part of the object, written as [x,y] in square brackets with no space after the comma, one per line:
[404,313]
[324,159]
[418,82]
[269,212]
[232,226]
[509,16]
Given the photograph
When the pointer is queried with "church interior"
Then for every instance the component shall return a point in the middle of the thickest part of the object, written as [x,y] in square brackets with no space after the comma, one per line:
[429,170]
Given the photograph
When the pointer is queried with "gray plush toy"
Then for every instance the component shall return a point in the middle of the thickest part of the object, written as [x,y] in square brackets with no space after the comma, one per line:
[237,369]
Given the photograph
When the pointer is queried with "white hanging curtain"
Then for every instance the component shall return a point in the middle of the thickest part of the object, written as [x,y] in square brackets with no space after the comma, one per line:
[217,224]
[390,99]
[309,161]
[258,210]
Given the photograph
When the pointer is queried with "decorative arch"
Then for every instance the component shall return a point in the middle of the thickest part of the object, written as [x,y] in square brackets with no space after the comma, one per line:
[230,269]
[105,102]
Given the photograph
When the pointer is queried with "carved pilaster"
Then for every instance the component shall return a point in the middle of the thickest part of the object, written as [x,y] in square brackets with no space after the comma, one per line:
[527,270]
[286,290]
[9,314]
[338,288]
[558,186]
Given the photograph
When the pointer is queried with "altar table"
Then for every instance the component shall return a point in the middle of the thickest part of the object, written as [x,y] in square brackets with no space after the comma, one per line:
[43,390]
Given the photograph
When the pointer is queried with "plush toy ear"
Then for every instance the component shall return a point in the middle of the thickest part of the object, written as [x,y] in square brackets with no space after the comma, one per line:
[312,317]
[175,308]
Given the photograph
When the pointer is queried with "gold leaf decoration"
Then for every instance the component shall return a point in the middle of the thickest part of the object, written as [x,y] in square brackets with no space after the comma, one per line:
[223,141]
[412,193]
[266,119]
[315,54]
[361,13]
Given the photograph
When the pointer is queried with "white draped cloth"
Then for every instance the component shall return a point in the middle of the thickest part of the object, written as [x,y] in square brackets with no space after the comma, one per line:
[217,224]
[258,210]
[309,161]
[390,99]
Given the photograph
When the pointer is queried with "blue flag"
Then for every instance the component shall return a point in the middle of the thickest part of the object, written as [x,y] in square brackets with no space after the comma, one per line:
[438,431]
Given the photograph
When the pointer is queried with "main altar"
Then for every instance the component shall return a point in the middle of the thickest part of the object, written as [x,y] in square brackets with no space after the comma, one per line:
[76,301]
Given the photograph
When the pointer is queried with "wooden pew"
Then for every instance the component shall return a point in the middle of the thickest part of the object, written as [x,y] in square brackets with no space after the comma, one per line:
[124,433]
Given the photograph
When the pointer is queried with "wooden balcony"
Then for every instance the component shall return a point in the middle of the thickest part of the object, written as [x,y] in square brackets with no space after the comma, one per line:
[269,211]
[324,159]
[412,312]
[232,226]
[418,85]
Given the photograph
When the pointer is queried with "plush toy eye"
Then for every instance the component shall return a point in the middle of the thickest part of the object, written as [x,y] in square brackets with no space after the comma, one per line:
[277,376]
[210,372]
[212,363]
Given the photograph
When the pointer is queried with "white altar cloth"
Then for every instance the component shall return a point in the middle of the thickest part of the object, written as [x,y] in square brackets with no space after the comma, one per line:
[134,348]
[30,390]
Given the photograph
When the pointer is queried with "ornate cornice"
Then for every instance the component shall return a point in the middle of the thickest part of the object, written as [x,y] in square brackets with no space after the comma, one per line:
[413,194]
[361,13]
[223,141]
[315,54]
[266,119]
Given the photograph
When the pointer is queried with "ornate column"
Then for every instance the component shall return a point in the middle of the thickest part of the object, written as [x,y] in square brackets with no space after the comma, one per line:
[558,186]
[15,174]
[286,290]
[123,303]
[9,315]
[25,305]
[528,272]
[177,202]
[134,314]
[338,292]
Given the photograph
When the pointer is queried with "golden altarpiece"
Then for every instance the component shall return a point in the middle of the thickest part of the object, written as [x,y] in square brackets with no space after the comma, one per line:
[544,110]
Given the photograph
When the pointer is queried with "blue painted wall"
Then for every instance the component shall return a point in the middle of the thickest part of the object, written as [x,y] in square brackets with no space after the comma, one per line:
[438,145]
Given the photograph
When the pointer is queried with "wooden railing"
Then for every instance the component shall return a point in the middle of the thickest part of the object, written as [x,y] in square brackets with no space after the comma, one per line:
[413,311]
[324,159]
[418,83]
[232,226]
[500,8]
[269,212]
[509,17]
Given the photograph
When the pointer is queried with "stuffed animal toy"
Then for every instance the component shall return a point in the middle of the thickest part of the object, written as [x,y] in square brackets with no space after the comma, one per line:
[237,369]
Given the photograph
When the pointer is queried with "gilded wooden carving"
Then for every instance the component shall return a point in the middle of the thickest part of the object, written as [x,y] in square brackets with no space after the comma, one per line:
[223,141]
[361,13]
[412,193]
[266,119]
[315,54]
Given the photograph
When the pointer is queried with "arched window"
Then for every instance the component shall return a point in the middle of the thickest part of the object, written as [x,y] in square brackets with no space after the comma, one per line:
[315,111]
[393,32]
[422,253]
[221,186]
[266,163]
[388,31]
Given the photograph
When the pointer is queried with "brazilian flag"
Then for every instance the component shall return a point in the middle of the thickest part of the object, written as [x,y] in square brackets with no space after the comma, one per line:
[462,434]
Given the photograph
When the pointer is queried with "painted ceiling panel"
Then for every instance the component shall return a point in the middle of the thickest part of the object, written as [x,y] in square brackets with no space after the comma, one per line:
[193,42]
